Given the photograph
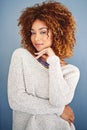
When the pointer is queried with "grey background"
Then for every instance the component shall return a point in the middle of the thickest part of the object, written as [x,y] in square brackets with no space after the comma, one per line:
[10,10]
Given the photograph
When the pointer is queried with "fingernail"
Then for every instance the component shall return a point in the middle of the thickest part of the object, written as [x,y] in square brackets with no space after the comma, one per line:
[35,53]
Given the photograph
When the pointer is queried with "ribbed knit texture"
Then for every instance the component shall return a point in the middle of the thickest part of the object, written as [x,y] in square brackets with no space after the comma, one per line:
[38,95]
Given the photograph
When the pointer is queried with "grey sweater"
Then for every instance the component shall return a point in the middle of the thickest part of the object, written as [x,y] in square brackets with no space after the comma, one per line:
[38,95]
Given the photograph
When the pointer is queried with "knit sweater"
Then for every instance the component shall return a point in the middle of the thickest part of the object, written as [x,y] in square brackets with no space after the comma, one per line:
[38,95]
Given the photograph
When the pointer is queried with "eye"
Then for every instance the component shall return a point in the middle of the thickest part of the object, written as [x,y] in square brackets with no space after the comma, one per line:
[32,33]
[43,32]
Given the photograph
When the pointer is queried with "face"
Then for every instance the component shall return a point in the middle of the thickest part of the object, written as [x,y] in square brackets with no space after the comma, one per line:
[41,37]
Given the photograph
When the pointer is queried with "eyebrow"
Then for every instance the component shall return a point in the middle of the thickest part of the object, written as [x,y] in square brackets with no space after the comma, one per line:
[40,28]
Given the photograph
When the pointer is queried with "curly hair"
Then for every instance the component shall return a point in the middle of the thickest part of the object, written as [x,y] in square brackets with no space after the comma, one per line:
[57,18]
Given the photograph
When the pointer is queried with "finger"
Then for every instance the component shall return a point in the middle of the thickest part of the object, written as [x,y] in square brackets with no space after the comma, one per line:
[72,116]
[41,52]
[44,56]
[69,122]
[71,119]
[41,55]
[37,57]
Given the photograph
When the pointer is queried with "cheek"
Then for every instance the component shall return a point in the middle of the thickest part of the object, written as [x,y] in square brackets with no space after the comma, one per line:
[32,39]
[47,39]
[50,41]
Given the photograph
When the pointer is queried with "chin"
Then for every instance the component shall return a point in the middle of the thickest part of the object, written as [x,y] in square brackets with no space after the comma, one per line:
[40,49]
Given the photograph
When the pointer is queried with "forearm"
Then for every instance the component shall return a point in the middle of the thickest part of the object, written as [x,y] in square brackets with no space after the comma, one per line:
[33,105]
[20,99]
[61,89]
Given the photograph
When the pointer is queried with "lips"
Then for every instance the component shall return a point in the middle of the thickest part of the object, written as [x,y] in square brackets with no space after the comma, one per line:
[38,44]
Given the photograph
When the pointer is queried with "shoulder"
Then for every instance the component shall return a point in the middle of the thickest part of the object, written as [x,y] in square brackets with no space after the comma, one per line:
[20,53]
[70,70]
[70,67]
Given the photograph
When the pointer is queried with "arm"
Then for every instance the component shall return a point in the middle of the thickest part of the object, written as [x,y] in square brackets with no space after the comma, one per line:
[61,88]
[18,97]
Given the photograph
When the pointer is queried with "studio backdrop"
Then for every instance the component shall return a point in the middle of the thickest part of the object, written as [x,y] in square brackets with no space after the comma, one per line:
[10,11]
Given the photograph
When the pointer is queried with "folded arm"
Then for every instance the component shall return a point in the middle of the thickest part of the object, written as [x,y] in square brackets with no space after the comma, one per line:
[61,87]
[18,97]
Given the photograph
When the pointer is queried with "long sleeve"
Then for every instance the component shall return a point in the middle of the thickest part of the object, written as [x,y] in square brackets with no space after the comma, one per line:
[61,87]
[18,97]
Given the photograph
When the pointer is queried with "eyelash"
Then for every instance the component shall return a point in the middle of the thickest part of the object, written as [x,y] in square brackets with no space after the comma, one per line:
[43,32]
[33,33]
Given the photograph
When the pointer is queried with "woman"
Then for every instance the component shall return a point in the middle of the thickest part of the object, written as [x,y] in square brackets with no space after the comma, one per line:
[40,83]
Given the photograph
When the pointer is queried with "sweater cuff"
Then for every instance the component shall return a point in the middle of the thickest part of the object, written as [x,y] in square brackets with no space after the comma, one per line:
[61,111]
[53,59]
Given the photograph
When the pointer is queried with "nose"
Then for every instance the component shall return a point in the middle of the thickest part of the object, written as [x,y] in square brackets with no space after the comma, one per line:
[37,37]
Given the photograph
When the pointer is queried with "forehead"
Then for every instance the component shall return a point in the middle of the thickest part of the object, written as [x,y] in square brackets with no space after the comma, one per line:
[37,24]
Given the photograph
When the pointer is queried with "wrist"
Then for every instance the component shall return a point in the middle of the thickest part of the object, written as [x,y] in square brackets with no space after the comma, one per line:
[53,59]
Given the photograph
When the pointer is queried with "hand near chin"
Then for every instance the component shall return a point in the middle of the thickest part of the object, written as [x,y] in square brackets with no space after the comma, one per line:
[45,53]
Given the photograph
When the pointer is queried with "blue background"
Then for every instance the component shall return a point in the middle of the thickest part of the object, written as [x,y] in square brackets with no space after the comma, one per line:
[10,10]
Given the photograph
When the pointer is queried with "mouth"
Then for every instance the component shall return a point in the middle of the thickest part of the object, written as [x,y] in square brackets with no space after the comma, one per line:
[38,44]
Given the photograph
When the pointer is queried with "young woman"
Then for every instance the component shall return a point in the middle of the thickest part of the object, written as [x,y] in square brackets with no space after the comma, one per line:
[40,83]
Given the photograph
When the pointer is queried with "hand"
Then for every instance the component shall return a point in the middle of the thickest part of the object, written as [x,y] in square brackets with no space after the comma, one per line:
[45,53]
[68,114]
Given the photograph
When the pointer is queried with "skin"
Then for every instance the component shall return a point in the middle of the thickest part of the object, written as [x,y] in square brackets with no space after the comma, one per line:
[41,39]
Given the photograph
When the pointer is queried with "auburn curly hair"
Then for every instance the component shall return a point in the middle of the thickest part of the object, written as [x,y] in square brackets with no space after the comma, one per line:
[57,18]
